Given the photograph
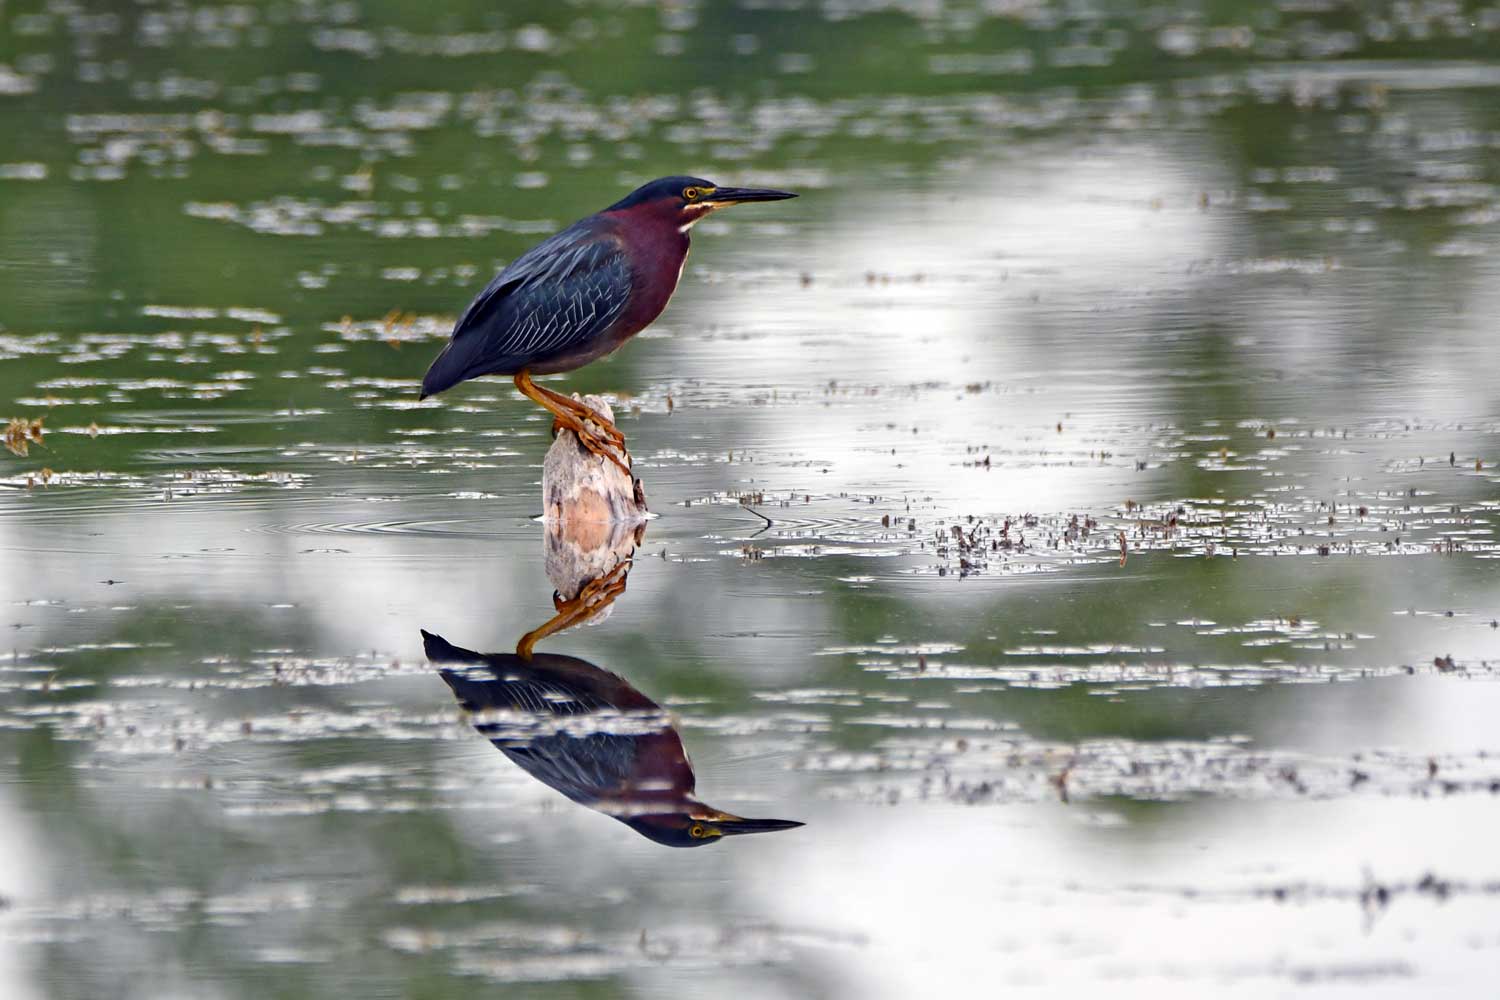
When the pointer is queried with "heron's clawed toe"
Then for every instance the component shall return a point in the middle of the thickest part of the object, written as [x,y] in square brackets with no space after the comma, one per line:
[612,432]
[603,428]
[605,448]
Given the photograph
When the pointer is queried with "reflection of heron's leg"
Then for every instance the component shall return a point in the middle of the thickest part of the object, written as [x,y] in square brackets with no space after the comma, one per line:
[596,595]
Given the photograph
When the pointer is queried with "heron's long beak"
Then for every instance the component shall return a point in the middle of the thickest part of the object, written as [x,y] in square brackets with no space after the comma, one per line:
[730,825]
[734,196]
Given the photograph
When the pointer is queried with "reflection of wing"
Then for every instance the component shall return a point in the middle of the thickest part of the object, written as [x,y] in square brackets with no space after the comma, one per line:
[545,683]
[584,768]
[495,686]
[559,295]
[642,758]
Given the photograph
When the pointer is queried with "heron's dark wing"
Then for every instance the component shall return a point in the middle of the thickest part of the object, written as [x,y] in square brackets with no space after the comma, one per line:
[559,295]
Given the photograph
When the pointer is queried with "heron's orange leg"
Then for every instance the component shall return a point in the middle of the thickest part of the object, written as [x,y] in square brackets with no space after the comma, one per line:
[585,412]
[596,595]
[582,410]
[570,417]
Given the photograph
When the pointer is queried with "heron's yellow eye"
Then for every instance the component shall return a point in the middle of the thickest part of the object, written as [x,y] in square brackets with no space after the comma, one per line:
[692,194]
[696,831]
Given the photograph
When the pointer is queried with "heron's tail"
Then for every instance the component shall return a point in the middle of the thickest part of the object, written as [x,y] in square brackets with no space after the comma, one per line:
[447,370]
[440,650]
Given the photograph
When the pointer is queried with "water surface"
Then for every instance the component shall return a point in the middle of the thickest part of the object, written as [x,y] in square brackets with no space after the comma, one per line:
[1119,395]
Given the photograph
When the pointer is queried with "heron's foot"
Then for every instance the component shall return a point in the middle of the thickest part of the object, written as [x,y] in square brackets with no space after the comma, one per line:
[605,429]
[606,449]
[585,412]
[610,430]
[596,444]
[598,435]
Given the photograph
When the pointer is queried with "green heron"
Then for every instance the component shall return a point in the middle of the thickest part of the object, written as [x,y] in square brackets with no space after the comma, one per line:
[628,762]
[578,295]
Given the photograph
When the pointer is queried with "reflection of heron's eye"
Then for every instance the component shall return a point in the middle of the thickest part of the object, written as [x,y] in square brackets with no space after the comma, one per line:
[696,832]
[691,194]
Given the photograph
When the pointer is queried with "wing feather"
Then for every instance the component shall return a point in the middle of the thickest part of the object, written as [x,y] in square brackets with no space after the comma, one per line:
[556,297]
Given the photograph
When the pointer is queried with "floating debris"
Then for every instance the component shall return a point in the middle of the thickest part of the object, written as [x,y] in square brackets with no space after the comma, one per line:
[21,433]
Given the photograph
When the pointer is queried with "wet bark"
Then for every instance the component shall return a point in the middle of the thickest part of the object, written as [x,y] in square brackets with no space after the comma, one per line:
[586,492]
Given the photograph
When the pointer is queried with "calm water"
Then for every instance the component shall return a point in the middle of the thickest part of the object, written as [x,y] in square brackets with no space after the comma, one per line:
[1121,395]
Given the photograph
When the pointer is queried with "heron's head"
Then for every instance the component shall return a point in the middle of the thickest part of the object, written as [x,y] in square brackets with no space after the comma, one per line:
[699,826]
[685,200]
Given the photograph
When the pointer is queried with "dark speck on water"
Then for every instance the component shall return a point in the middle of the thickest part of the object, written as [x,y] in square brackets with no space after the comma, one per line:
[1044,514]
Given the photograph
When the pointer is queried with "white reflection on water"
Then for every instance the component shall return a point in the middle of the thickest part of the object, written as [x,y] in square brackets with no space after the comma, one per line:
[1045,902]
[22,877]
[1048,898]
[992,280]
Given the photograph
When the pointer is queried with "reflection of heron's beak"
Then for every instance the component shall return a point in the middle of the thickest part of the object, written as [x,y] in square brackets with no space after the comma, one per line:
[757,826]
[730,825]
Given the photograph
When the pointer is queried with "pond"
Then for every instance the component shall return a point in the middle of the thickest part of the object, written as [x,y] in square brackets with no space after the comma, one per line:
[1077,509]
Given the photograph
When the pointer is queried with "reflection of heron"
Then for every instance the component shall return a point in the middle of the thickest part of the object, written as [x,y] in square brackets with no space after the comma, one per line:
[577,296]
[590,735]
